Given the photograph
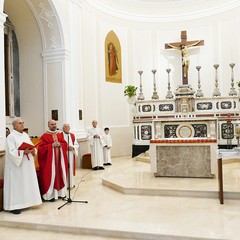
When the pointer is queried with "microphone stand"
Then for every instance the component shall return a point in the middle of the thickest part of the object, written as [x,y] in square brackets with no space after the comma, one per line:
[69,200]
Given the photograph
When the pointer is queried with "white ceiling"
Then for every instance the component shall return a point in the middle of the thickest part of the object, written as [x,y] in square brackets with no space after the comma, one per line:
[162,10]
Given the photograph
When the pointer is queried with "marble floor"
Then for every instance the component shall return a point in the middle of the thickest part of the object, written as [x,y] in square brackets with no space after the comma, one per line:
[125,201]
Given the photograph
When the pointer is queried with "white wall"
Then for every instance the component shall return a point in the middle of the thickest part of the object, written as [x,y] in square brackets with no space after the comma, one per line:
[143,49]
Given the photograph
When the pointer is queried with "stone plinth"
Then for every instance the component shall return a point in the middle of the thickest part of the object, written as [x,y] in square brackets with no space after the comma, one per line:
[195,157]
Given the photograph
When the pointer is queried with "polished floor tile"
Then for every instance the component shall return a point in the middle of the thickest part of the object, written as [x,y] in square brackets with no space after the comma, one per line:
[110,214]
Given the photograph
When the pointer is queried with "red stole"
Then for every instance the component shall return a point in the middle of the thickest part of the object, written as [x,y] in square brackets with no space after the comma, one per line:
[74,157]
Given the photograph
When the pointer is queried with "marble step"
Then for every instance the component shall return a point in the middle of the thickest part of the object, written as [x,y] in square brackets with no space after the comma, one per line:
[143,157]
[170,192]
[91,233]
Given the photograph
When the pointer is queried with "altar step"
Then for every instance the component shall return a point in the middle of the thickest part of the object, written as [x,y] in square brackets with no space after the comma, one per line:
[143,157]
[73,232]
[131,205]
[142,182]
[168,192]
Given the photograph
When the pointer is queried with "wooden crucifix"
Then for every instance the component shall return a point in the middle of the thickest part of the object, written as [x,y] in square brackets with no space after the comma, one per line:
[183,47]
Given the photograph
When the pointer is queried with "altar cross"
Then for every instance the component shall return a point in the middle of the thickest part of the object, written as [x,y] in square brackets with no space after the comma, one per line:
[183,47]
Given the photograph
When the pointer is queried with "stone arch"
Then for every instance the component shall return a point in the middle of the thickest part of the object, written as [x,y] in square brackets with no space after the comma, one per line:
[52,58]
[47,17]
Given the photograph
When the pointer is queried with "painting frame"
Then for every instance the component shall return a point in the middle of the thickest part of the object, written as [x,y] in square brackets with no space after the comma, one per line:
[113,61]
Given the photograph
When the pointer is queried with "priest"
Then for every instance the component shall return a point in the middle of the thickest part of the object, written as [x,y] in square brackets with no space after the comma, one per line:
[20,179]
[72,152]
[52,157]
[95,139]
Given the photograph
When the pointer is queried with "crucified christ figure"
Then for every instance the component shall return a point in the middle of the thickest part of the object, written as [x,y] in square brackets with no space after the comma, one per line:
[183,46]
[185,55]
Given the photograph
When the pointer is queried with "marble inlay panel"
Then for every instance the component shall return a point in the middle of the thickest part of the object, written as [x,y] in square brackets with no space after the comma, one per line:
[200,130]
[183,161]
[170,131]
[146,132]
[227,131]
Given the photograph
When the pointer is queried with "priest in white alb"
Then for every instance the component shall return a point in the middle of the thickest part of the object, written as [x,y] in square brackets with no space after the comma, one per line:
[20,179]
[95,139]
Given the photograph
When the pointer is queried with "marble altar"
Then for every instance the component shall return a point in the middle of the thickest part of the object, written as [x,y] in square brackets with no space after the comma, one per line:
[207,116]
[186,157]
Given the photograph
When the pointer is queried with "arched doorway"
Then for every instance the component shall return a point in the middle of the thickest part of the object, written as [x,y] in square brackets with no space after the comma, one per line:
[41,60]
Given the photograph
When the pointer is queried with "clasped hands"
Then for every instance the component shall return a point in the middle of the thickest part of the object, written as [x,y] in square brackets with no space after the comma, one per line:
[56,144]
[27,151]
[70,148]
[96,136]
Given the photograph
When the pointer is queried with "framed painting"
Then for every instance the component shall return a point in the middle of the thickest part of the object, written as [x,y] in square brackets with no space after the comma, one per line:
[113,64]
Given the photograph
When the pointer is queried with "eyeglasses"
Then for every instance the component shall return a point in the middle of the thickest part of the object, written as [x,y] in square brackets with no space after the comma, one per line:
[20,122]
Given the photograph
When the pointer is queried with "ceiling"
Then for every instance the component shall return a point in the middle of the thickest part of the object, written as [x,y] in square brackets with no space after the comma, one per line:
[162,10]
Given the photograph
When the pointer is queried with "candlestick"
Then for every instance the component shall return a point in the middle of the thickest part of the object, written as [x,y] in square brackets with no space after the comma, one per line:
[216,92]
[199,91]
[169,92]
[155,95]
[232,92]
[140,96]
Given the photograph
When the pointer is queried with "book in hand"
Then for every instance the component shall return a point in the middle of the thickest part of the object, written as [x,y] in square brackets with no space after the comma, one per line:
[25,145]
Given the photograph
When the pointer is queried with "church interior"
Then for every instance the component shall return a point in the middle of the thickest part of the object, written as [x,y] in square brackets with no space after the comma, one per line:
[175,170]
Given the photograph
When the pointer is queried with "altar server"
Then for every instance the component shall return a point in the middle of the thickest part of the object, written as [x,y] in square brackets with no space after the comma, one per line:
[107,146]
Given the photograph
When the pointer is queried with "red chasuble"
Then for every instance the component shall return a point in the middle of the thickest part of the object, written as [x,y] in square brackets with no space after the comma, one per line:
[45,158]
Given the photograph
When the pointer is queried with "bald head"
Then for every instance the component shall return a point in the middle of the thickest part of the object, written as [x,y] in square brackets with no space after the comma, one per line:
[94,123]
[66,128]
[52,125]
[18,124]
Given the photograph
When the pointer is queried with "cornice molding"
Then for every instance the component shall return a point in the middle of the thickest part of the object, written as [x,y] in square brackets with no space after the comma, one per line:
[55,54]
[164,14]
[77,3]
